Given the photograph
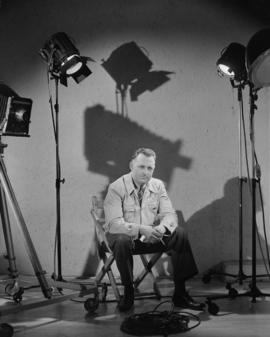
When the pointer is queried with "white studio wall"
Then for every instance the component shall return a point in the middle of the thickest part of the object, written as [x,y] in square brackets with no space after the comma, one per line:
[191,120]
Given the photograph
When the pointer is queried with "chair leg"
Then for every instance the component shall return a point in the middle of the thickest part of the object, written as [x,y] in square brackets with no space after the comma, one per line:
[106,269]
[113,285]
[148,265]
[107,262]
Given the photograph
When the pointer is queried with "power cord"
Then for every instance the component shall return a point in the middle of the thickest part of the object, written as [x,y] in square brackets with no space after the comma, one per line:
[159,322]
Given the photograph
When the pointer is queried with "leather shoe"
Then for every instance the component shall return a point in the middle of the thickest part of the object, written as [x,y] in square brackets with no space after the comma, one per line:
[186,301]
[126,302]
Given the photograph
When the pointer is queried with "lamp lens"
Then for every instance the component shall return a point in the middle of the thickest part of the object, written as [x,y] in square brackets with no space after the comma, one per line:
[71,64]
[226,70]
[232,62]
[74,68]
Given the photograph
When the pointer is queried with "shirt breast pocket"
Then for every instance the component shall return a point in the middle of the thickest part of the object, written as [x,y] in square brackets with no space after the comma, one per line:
[153,207]
[129,213]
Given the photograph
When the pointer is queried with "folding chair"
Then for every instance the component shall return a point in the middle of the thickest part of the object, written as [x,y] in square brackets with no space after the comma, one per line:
[106,255]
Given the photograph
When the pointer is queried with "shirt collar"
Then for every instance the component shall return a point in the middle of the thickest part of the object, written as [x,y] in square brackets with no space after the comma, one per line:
[131,186]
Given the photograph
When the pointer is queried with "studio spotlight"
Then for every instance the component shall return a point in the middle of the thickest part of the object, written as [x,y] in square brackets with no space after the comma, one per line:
[64,59]
[258,58]
[232,62]
[15,115]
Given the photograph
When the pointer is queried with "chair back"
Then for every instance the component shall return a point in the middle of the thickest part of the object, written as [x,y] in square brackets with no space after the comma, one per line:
[97,212]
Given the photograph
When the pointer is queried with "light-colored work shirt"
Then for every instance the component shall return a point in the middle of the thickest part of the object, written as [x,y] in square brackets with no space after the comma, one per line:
[125,215]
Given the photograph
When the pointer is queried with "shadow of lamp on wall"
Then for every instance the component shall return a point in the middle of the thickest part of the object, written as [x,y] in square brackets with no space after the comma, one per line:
[130,68]
[148,82]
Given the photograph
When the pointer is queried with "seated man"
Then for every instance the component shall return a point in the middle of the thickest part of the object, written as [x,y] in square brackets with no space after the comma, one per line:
[140,219]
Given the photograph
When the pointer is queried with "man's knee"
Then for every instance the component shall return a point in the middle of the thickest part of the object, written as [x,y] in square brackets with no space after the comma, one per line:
[180,231]
[120,242]
[180,237]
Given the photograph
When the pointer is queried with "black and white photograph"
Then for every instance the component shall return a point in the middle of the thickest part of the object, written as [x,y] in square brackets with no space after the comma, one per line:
[134,168]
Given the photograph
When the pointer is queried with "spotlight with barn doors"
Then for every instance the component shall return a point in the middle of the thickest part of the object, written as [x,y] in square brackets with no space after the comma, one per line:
[232,62]
[63,61]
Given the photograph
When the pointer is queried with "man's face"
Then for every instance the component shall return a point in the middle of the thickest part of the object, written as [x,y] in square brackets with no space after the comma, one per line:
[142,168]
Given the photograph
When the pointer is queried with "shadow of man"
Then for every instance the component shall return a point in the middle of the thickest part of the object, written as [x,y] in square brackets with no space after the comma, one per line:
[214,229]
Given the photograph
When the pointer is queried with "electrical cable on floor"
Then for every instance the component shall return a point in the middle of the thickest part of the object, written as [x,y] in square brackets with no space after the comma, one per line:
[159,322]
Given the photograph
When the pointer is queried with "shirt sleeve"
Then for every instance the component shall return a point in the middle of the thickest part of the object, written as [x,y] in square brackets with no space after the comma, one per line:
[114,217]
[167,214]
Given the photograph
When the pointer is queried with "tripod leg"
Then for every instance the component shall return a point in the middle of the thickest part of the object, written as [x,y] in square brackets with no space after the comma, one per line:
[40,274]
[7,234]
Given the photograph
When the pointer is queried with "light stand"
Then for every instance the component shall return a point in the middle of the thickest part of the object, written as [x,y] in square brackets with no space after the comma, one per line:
[251,64]
[63,60]
[58,182]
[91,304]
[240,276]
[254,292]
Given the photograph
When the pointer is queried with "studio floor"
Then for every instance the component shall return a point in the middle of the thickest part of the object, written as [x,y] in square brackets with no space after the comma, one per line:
[36,316]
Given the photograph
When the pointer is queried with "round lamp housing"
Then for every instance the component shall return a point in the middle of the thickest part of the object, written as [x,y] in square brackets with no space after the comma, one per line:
[232,62]
[258,58]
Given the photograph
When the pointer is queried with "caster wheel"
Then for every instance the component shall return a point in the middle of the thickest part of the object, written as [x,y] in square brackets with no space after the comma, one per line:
[52,290]
[6,330]
[233,293]
[11,288]
[206,278]
[213,309]
[91,304]
[17,297]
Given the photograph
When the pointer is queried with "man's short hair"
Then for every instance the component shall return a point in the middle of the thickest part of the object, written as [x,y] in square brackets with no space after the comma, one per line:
[145,151]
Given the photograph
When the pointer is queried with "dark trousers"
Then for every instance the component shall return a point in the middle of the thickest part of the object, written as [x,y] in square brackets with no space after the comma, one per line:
[123,248]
